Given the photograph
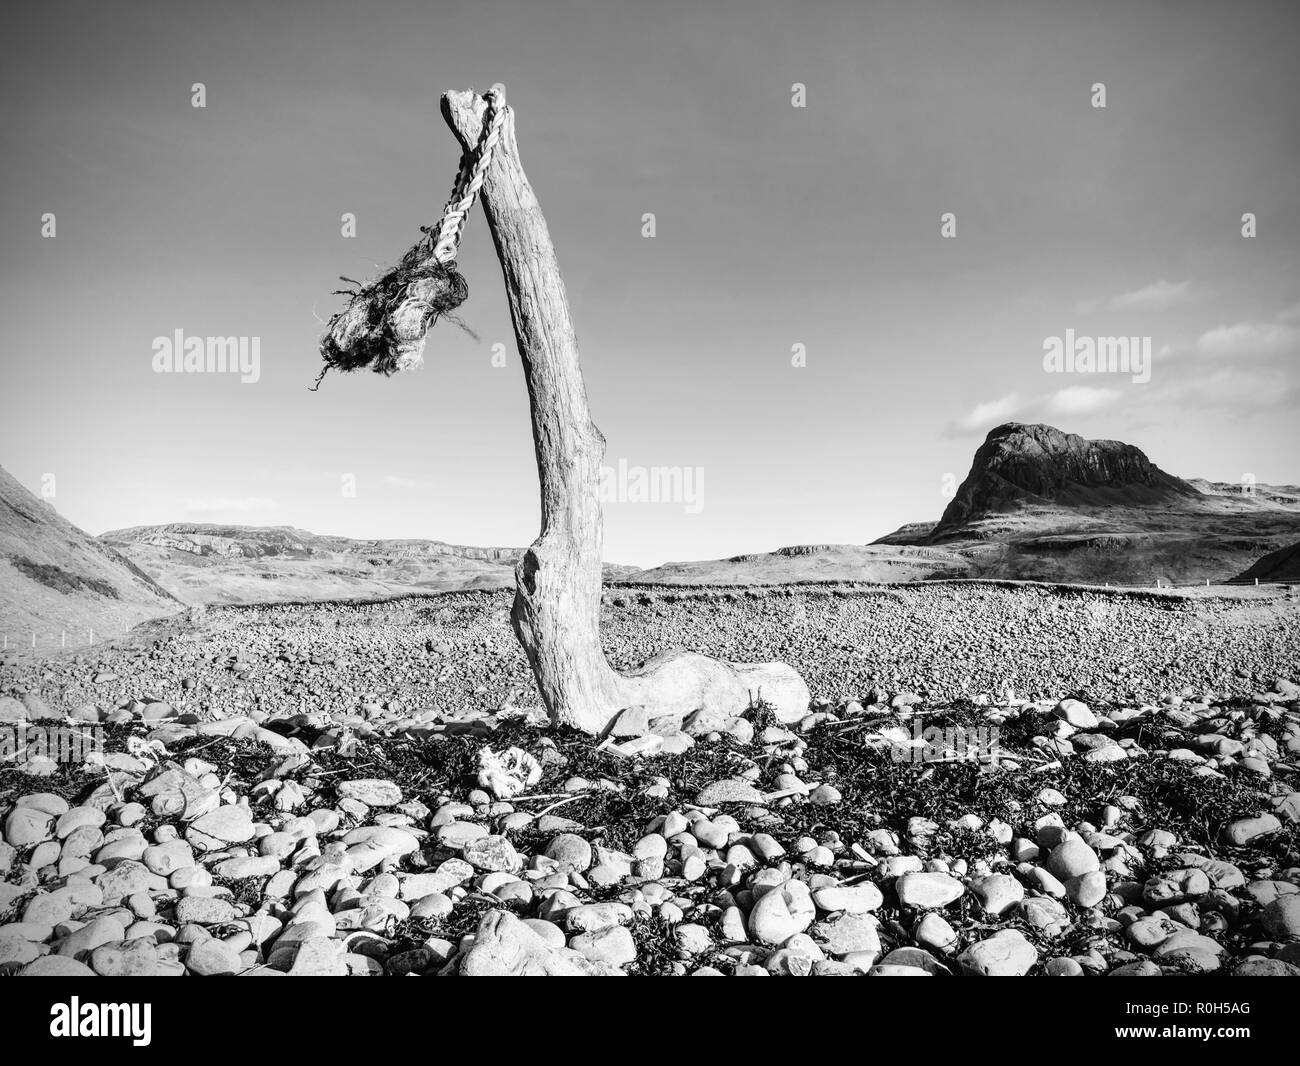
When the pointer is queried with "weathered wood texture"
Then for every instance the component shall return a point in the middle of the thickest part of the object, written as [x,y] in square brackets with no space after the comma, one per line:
[556,613]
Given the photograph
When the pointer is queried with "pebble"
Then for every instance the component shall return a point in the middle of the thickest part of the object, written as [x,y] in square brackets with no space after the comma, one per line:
[1004,954]
[928,890]
[372,791]
[853,899]
[1245,830]
[998,893]
[781,913]
[732,790]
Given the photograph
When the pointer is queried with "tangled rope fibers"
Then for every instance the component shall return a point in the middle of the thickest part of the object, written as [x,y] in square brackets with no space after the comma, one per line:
[384,324]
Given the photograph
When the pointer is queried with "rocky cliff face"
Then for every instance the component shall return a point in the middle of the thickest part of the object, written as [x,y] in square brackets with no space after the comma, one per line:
[1020,465]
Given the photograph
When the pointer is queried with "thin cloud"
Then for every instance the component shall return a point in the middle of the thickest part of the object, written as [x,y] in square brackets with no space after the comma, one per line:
[1079,400]
[1237,389]
[210,505]
[1154,297]
[1157,296]
[1249,339]
[1068,401]
[990,413]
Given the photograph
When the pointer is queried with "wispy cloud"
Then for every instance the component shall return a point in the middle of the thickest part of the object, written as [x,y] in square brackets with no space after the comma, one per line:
[1249,339]
[1237,389]
[1071,400]
[1157,296]
[990,413]
[1079,400]
[1154,297]
[212,505]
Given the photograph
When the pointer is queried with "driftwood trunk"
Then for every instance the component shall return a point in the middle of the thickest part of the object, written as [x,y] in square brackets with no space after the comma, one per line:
[556,613]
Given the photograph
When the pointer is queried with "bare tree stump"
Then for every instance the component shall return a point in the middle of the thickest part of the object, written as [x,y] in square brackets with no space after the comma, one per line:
[556,613]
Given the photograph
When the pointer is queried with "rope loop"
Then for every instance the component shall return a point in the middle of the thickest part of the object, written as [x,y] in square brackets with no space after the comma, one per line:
[473,166]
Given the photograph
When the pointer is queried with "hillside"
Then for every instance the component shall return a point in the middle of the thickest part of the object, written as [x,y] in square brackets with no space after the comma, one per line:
[204,563]
[56,579]
[1281,565]
[813,562]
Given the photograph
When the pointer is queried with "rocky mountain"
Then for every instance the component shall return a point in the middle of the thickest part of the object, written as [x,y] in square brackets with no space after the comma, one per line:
[1022,465]
[1040,504]
[61,585]
[205,563]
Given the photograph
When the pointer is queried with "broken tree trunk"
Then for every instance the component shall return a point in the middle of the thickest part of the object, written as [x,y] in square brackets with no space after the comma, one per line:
[556,613]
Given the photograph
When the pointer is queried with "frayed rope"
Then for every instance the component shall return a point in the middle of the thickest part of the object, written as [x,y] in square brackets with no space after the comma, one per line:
[384,324]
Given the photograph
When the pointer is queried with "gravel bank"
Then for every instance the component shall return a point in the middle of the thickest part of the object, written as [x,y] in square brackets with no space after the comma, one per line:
[456,652]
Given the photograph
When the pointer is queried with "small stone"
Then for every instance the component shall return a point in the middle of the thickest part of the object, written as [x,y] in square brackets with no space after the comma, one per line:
[588,917]
[56,966]
[850,935]
[320,956]
[934,932]
[212,957]
[928,890]
[1282,917]
[457,835]
[1072,858]
[1077,714]
[1190,951]
[572,852]
[1152,930]
[220,828]
[1244,830]
[26,826]
[128,958]
[613,945]
[246,866]
[693,939]
[1046,915]
[372,791]
[852,899]
[492,853]
[731,790]
[1087,890]
[1004,954]
[1259,966]
[998,893]
[204,910]
[780,913]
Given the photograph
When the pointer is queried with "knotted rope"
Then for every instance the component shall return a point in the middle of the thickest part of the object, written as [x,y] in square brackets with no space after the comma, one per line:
[385,323]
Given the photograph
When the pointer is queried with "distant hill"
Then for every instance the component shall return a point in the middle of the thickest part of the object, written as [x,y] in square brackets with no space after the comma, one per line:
[813,562]
[205,563]
[1281,565]
[60,583]
[1040,504]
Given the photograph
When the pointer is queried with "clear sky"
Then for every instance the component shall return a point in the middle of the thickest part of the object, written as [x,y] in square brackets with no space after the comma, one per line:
[775,226]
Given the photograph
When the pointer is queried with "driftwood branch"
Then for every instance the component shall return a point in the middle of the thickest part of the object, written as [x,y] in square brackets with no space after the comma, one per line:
[556,613]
